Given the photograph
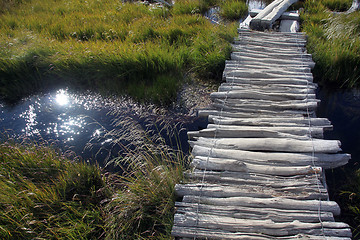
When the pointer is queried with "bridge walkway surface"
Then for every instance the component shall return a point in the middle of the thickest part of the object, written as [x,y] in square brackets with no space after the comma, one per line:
[258,166]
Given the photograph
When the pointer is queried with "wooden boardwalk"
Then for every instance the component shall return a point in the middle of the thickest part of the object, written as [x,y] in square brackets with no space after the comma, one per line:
[258,166]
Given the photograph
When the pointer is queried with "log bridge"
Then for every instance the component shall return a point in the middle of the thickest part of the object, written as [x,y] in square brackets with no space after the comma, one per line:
[258,166]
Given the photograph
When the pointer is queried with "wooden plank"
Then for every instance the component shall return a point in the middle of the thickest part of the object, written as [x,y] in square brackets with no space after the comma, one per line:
[282,168]
[259,110]
[267,81]
[323,123]
[265,106]
[276,215]
[258,131]
[260,179]
[294,43]
[261,95]
[284,16]
[224,113]
[267,227]
[275,61]
[216,234]
[224,191]
[271,158]
[255,65]
[272,88]
[267,74]
[272,144]
[274,202]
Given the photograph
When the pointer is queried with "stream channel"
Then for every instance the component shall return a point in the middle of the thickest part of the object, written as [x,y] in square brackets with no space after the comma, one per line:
[89,124]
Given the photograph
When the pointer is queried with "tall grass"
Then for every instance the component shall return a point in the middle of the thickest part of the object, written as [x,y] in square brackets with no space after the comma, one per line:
[110,46]
[333,41]
[45,196]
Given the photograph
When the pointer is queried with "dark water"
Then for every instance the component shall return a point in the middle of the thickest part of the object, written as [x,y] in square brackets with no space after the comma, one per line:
[90,124]
[342,108]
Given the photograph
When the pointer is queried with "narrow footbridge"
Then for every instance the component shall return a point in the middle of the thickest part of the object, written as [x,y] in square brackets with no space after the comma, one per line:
[258,167]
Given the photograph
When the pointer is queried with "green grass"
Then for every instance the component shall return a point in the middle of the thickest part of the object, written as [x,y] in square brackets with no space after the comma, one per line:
[108,46]
[333,41]
[233,9]
[46,196]
[144,208]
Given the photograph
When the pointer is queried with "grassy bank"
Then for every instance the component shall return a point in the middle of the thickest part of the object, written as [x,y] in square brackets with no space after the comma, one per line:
[333,41]
[45,195]
[109,46]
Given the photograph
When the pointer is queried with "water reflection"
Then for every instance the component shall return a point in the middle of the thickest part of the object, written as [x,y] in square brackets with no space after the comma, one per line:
[62,97]
[92,126]
[60,115]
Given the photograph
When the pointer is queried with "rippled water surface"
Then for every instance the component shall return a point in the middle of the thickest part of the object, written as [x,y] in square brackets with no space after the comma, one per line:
[89,124]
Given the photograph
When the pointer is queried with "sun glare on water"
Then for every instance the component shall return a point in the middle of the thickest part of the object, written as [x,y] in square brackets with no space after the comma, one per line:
[62,98]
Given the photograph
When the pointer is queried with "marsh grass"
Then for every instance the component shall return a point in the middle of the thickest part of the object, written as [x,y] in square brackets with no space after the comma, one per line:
[144,206]
[233,9]
[44,195]
[109,46]
[333,41]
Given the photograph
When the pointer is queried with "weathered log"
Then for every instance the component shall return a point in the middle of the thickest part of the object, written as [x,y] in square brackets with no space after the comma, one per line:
[267,74]
[293,43]
[323,123]
[256,166]
[189,233]
[272,158]
[274,70]
[255,65]
[224,191]
[272,144]
[261,95]
[289,69]
[267,227]
[270,14]
[229,131]
[259,179]
[274,202]
[274,61]
[267,81]
[256,42]
[284,16]
[295,56]
[223,113]
[220,164]
[276,215]
[248,31]
[262,110]
[272,88]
